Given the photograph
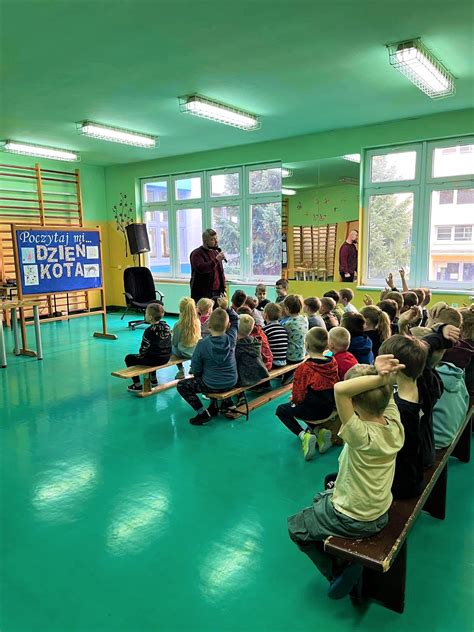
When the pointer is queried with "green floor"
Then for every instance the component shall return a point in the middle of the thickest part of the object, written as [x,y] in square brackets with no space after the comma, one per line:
[117,514]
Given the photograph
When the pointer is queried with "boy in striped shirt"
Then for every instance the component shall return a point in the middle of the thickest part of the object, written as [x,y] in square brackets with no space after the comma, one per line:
[276,334]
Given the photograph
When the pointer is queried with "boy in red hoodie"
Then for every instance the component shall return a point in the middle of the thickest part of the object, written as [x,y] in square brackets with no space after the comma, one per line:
[339,340]
[313,391]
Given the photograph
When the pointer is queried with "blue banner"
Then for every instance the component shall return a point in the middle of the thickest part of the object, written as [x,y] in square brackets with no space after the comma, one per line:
[53,260]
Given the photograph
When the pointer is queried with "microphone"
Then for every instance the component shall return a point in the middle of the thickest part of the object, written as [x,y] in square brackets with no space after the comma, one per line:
[220,250]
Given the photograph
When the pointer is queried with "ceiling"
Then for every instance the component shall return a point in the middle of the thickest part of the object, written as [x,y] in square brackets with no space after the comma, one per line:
[304,66]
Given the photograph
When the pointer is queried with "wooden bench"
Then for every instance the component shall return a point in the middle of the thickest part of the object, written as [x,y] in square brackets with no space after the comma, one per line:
[262,399]
[384,555]
[136,371]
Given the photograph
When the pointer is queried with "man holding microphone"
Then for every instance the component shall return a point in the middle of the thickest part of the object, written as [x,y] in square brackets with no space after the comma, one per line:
[207,271]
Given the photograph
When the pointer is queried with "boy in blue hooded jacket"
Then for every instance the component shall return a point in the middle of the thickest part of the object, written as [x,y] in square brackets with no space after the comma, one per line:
[213,363]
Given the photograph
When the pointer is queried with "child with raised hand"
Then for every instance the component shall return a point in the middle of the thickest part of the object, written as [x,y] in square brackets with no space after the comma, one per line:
[357,506]
[155,348]
[281,287]
[339,340]
[186,334]
[312,395]
[361,344]
[204,310]
[213,363]
[261,294]
[311,307]
[377,326]
[276,334]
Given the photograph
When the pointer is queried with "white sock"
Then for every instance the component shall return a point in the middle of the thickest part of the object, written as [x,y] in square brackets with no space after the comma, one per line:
[302,434]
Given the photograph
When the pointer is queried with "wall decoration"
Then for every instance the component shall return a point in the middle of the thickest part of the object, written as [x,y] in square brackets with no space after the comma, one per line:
[124,215]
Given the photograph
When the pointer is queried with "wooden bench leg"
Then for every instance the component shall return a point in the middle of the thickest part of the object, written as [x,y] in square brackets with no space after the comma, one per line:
[435,504]
[146,383]
[462,451]
[388,588]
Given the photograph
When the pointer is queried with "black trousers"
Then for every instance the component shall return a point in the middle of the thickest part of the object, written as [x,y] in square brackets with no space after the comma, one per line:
[133,359]
[287,413]
[189,389]
[345,279]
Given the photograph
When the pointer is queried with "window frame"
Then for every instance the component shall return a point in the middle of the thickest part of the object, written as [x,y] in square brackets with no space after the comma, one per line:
[244,201]
[422,188]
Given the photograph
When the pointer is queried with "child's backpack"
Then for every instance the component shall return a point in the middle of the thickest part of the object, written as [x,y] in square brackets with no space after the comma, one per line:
[450,410]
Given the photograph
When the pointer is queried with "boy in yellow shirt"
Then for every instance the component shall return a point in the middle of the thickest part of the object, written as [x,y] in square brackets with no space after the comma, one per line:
[357,505]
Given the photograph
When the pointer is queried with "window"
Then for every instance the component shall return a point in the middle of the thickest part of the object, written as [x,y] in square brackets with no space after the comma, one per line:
[158,233]
[156,191]
[463,233]
[243,204]
[444,233]
[225,184]
[393,166]
[189,230]
[417,221]
[188,188]
[457,160]
[225,220]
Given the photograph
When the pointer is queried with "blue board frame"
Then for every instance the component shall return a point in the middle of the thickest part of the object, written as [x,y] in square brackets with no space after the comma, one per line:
[54,260]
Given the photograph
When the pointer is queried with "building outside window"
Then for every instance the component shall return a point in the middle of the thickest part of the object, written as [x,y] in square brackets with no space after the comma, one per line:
[418,203]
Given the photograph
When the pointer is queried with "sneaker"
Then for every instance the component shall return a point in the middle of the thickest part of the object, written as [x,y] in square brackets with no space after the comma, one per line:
[179,375]
[213,409]
[227,404]
[233,413]
[135,388]
[346,581]
[324,440]
[308,445]
[153,383]
[200,419]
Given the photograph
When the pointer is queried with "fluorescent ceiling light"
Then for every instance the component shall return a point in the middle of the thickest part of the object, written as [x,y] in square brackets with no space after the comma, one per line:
[286,173]
[27,149]
[421,67]
[288,192]
[219,112]
[117,134]
[352,157]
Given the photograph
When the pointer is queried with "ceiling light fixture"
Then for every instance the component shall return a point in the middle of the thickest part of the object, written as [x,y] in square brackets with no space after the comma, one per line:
[117,134]
[41,151]
[286,173]
[421,67]
[352,157]
[288,192]
[219,112]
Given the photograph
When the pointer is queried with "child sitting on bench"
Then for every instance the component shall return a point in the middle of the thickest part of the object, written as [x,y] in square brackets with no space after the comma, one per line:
[155,348]
[313,394]
[204,310]
[186,334]
[357,505]
[339,340]
[213,363]
[276,334]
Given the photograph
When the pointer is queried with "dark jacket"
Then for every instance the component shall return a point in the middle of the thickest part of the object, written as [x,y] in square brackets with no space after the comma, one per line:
[374,336]
[347,259]
[462,356]
[313,375]
[214,357]
[204,267]
[250,366]
[156,343]
[361,348]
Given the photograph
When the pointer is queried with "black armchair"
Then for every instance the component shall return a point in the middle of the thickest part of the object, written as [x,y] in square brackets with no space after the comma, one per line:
[139,291]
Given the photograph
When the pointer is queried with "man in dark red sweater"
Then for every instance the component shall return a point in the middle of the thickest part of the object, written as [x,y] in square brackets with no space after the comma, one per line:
[207,271]
[348,257]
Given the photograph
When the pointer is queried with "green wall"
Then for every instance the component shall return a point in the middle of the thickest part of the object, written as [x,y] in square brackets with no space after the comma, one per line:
[324,205]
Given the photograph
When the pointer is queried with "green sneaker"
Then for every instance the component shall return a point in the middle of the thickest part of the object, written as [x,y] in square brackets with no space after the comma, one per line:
[308,445]
[324,440]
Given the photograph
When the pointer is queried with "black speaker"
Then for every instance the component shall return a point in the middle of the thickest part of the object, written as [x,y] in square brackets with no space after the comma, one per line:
[137,238]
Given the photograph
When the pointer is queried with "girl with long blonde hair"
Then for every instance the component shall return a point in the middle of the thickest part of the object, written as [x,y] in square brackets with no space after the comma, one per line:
[186,334]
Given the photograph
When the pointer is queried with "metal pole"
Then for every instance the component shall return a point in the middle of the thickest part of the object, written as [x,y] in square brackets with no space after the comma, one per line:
[16,349]
[39,346]
[3,355]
